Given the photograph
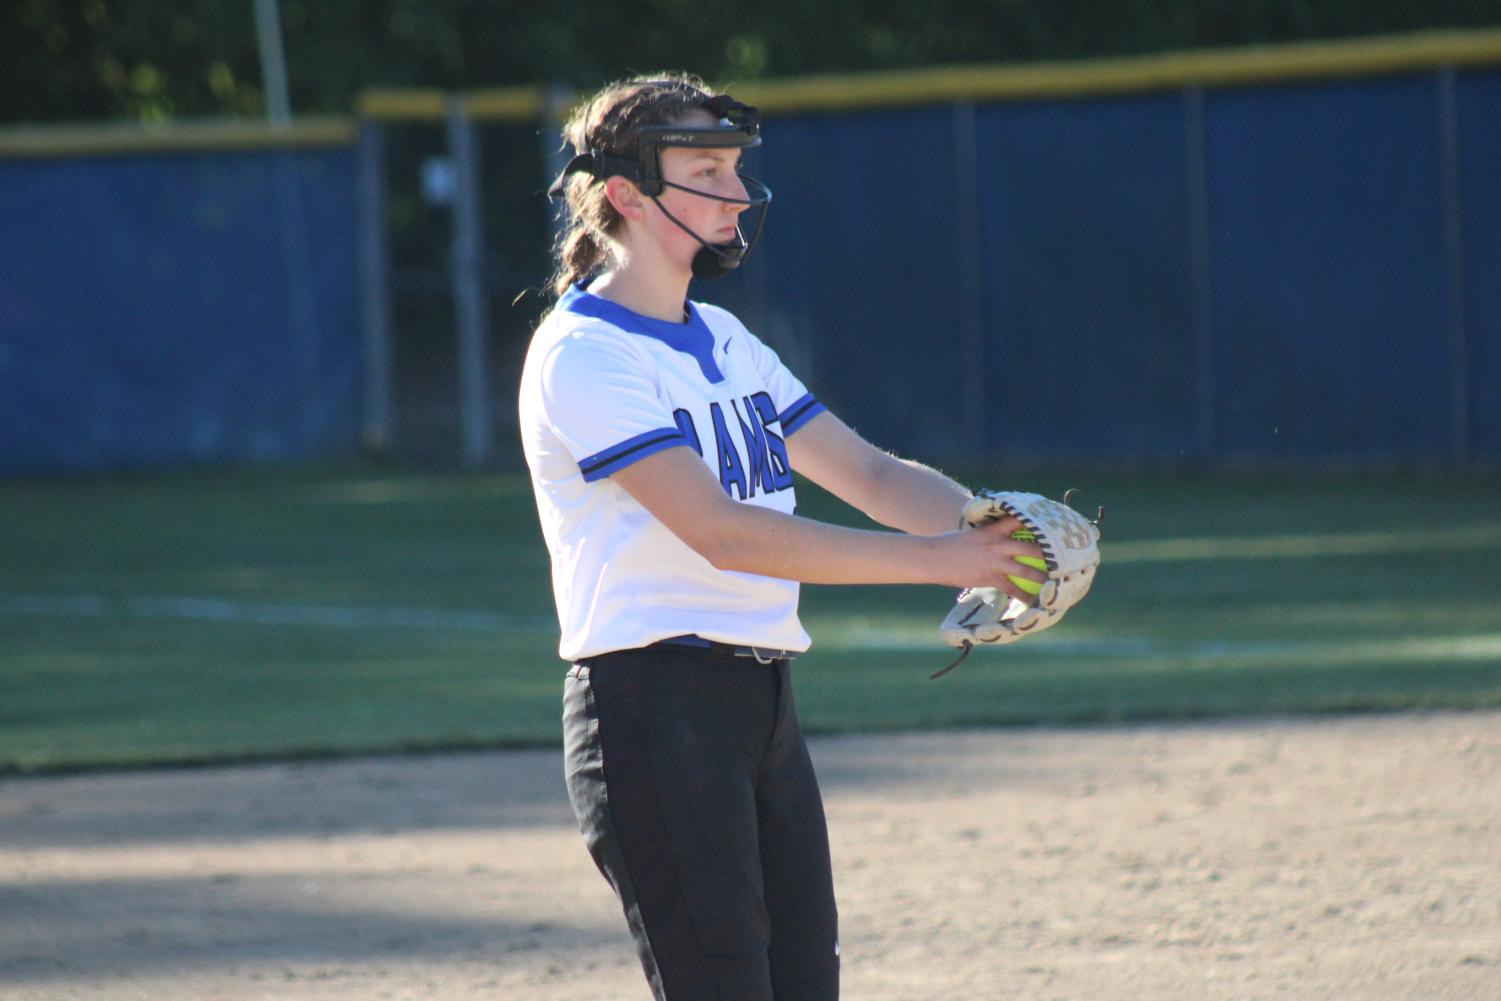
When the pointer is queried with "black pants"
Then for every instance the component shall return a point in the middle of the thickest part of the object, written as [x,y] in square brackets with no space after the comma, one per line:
[695,794]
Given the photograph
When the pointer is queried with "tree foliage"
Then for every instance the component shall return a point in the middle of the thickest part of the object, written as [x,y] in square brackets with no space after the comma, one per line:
[151,60]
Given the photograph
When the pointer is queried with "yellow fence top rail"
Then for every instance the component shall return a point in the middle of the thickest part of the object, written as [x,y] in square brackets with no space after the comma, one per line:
[493,104]
[173,137]
[1359,57]
[1347,58]
[1103,77]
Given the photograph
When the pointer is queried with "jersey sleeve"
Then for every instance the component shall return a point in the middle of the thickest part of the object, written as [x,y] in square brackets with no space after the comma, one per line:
[796,406]
[602,402]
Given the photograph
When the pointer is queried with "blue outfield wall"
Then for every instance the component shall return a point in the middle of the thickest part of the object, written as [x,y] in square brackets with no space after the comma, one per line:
[1300,271]
[1329,288]
[158,308]
[1086,294]
[1245,273]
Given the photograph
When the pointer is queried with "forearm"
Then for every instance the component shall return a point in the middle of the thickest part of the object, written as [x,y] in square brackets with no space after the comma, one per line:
[678,490]
[761,541]
[914,498]
[900,493]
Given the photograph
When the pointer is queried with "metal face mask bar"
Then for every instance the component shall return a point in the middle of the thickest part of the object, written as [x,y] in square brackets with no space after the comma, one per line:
[739,127]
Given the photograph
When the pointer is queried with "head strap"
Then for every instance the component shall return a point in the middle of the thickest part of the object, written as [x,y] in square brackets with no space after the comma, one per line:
[599,165]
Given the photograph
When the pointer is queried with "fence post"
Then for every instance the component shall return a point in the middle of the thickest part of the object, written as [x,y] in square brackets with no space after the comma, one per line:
[469,287]
[375,288]
[1206,375]
[1454,264]
[972,346]
[555,156]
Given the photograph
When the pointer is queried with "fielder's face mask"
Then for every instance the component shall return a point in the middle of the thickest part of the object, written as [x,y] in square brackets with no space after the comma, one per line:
[739,127]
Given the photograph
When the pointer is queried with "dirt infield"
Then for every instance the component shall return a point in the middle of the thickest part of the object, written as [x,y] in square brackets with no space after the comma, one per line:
[1353,858]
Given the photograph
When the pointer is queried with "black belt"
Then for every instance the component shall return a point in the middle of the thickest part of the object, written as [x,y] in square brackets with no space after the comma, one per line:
[764,655]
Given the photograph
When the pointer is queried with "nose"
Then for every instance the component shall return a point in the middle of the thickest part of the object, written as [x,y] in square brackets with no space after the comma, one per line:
[736,189]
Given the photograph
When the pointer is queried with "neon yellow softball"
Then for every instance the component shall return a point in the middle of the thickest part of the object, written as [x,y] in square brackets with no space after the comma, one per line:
[1029,586]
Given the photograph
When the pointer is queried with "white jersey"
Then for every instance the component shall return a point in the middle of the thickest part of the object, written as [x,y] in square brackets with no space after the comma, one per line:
[604,387]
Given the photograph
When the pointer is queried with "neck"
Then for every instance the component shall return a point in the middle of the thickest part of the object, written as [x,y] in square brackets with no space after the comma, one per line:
[657,292]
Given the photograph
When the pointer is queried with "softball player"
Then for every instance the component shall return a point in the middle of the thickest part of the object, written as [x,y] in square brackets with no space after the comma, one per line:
[662,436]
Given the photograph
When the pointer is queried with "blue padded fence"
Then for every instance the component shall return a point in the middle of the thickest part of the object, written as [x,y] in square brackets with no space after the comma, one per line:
[158,308]
[1085,251]
[1297,271]
[1327,243]
[1301,271]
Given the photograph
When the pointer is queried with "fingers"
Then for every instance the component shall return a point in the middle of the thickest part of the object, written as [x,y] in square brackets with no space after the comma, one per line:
[1005,554]
[1007,587]
[999,534]
[988,555]
[1005,524]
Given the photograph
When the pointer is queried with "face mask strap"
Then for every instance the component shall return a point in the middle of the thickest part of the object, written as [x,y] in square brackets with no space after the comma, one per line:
[725,198]
[715,260]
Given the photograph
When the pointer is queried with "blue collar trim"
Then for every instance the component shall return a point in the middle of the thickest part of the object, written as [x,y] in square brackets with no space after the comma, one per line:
[692,338]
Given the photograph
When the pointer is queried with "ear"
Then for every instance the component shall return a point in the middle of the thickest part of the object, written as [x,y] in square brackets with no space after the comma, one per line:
[625,197]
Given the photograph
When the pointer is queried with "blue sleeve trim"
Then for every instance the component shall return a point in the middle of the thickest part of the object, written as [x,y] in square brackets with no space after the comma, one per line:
[617,457]
[799,413]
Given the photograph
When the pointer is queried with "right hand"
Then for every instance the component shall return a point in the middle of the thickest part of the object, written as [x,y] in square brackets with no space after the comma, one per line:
[986,556]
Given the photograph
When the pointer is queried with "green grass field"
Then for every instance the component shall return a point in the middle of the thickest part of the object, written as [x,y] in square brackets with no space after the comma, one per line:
[220,616]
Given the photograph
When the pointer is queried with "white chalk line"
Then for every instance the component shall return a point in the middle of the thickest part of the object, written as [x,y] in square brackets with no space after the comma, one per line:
[1303,546]
[863,635]
[222,610]
[1454,647]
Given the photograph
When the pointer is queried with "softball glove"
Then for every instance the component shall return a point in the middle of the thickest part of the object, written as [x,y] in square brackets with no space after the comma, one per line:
[1070,547]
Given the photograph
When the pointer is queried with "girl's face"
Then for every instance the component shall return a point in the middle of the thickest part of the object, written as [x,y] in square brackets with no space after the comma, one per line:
[712,171]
